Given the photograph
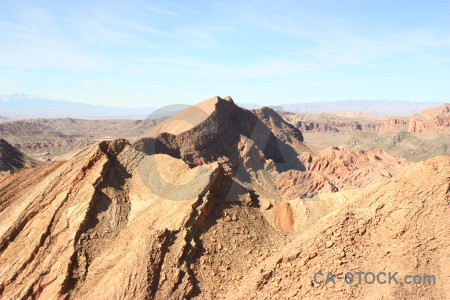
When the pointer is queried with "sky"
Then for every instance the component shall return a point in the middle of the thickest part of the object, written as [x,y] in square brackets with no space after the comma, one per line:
[139,53]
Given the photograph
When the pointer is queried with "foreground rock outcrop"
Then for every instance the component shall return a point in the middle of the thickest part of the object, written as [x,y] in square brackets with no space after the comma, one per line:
[397,226]
[93,227]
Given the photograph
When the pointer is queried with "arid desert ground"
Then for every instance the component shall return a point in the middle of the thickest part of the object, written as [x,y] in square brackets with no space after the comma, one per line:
[221,202]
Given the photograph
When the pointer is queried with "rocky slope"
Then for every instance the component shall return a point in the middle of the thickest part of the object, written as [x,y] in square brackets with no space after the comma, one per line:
[11,159]
[115,223]
[397,226]
[69,228]
[340,169]
[220,202]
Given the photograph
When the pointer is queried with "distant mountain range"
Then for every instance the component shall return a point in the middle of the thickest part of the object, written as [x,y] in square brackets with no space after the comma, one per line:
[28,106]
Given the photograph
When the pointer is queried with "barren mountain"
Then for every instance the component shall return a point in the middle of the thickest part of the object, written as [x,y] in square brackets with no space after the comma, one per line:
[11,159]
[213,129]
[116,223]
[46,138]
[221,202]
[340,169]
[264,153]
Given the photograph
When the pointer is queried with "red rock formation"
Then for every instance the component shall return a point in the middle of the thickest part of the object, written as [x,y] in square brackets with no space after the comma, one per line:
[335,169]
[398,226]
[396,123]
[436,119]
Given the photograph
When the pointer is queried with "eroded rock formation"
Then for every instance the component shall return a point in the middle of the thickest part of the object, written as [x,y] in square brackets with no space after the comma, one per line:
[433,119]
[397,226]
[228,203]
[94,228]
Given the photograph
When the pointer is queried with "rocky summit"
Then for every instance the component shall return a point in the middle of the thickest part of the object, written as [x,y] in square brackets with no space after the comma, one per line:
[220,202]
[214,129]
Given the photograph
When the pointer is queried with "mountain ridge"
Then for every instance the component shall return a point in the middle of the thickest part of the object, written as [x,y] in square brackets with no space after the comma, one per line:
[30,106]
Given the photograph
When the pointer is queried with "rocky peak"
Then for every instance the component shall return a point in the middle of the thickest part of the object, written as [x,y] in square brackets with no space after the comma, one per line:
[211,130]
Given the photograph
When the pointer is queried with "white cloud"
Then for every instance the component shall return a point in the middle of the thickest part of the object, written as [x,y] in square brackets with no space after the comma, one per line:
[152,43]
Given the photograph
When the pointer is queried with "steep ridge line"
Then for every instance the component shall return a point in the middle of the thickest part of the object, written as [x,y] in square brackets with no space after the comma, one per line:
[213,134]
[96,226]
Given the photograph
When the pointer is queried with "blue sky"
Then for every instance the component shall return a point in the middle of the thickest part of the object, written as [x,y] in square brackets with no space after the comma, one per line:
[152,53]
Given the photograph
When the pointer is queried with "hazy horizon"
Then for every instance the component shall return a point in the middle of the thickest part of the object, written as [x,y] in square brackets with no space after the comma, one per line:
[32,106]
[3,97]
